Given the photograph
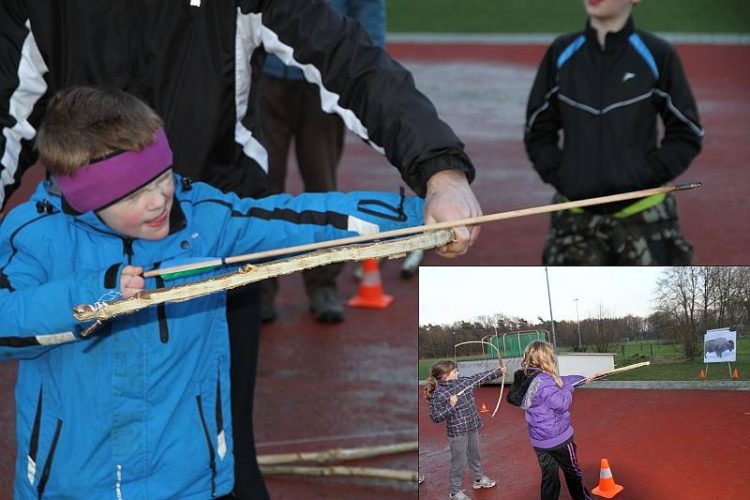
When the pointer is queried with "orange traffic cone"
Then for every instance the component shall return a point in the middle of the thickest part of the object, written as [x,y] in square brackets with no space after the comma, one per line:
[735,374]
[607,487]
[370,292]
[484,408]
[702,374]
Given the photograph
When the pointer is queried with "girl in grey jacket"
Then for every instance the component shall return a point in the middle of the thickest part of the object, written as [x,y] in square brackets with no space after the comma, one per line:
[452,399]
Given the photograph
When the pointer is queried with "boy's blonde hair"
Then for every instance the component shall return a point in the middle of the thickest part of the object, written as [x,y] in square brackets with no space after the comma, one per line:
[85,123]
[540,354]
[438,371]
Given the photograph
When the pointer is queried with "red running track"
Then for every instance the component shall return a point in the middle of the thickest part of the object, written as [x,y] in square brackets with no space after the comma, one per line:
[661,445]
[714,217]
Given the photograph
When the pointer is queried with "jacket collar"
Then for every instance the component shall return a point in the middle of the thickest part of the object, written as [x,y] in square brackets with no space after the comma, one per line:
[613,40]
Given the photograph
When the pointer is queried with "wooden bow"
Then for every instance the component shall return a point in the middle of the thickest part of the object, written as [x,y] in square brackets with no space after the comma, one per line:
[500,360]
[251,273]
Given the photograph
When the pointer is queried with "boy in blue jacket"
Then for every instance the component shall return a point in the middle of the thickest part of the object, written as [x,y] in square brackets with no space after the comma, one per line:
[140,410]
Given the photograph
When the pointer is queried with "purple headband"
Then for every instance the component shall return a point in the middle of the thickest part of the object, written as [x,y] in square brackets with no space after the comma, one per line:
[106,181]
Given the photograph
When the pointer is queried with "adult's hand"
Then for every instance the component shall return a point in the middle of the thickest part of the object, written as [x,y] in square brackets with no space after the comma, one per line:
[449,197]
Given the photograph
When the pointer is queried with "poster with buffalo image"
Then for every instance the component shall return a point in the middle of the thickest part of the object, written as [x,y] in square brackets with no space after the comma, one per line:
[719,346]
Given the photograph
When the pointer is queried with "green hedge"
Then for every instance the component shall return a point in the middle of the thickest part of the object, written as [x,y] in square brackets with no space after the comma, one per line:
[559,16]
[668,362]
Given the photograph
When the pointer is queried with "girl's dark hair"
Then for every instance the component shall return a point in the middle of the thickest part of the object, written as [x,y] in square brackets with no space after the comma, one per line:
[438,371]
[84,123]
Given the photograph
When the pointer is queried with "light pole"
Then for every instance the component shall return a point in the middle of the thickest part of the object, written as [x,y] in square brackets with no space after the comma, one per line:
[549,299]
[578,322]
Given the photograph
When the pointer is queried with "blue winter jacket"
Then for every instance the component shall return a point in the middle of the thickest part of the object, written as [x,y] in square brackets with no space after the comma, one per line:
[548,410]
[370,13]
[141,409]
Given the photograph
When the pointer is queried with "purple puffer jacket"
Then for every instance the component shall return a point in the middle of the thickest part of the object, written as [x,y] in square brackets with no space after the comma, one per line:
[547,410]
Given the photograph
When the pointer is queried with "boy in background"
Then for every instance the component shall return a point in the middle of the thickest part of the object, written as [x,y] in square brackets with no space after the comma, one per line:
[591,130]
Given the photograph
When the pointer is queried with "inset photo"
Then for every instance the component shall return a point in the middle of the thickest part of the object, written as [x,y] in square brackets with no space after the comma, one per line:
[534,381]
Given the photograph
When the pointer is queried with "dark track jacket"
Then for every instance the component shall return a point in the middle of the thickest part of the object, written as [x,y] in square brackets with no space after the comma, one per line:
[195,62]
[591,127]
[370,13]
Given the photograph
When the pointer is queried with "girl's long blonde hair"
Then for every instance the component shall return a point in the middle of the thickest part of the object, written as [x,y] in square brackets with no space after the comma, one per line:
[539,354]
[438,371]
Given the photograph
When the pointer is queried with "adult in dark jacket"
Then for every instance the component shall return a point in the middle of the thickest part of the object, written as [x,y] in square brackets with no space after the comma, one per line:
[291,111]
[195,63]
[591,130]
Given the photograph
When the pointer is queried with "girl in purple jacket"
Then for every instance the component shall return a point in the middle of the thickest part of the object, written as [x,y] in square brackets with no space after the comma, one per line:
[546,397]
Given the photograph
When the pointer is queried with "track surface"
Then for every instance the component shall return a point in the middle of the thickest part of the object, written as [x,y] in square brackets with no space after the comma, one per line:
[661,445]
[349,385]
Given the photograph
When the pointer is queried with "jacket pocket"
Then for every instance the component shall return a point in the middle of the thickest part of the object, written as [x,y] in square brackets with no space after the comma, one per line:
[221,438]
[31,457]
[209,444]
[48,463]
[383,210]
[33,453]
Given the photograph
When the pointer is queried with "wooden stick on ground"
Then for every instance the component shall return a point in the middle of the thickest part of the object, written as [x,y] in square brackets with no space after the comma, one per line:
[338,454]
[340,470]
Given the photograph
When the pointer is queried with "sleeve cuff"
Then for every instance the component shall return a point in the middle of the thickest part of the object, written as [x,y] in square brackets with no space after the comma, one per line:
[421,173]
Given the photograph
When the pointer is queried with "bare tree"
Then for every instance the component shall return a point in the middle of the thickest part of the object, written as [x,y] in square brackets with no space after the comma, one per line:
[678,298]
[605,329]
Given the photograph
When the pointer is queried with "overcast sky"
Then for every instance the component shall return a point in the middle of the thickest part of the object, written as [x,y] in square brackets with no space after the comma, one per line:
[452,293]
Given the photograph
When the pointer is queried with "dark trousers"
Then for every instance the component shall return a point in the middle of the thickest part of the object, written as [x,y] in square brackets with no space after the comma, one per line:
[565,457]
[290,111]
[243,317]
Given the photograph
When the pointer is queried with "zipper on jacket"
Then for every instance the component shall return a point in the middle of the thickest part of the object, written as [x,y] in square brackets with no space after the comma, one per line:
[50,457]
[161,311]
[211,453]
[127,247]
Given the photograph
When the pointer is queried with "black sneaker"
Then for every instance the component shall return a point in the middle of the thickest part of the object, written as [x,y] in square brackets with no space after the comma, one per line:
[326,306]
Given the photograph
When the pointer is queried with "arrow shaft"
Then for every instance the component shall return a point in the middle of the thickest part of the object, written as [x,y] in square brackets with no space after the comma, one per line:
[471,221]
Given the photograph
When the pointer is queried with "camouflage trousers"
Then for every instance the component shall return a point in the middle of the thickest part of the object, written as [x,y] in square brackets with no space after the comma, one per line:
[650,237]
